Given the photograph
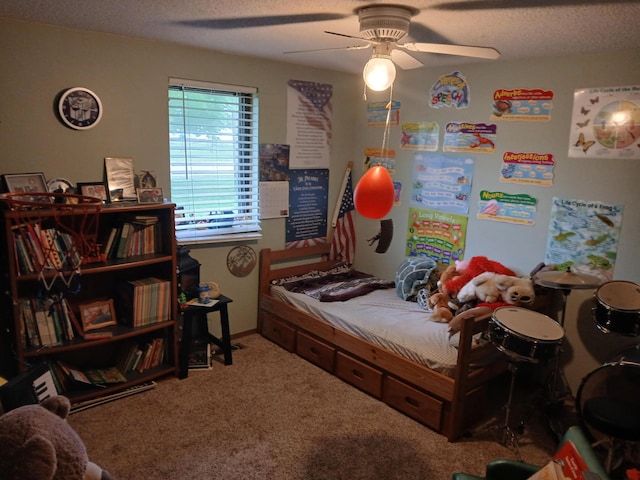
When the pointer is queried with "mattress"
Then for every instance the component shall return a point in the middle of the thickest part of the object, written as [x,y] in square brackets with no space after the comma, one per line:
[384,319]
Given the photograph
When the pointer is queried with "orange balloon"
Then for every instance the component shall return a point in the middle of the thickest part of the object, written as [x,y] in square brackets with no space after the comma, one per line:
[374,193]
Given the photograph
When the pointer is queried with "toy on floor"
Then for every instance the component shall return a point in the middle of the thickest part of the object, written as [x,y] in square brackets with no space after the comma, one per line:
[37,443]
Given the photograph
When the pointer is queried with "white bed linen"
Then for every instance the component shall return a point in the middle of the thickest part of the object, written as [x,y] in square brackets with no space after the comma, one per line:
[386,320]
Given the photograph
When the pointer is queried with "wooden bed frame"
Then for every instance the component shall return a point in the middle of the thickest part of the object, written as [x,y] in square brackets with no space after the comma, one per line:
[448,405]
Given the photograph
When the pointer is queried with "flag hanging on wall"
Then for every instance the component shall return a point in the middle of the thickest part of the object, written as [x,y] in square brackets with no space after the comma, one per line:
[343,242]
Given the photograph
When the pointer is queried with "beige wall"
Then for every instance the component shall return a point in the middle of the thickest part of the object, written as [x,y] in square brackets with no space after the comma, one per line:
[130,76]
[38,62]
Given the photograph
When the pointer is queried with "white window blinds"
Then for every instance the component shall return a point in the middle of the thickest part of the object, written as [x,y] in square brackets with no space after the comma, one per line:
[213,140]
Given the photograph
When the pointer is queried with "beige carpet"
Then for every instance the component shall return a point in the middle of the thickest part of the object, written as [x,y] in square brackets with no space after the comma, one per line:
[272,415]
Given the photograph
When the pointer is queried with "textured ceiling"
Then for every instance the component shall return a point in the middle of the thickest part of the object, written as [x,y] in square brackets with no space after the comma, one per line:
[266,28]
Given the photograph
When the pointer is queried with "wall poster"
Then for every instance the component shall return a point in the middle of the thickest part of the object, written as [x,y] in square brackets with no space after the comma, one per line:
[442,182]
[309,123]
[522,104]
[435,234]
[469,137]
[518,208]
[420,136]
[583,235]
[527,168]
[308,206]
[605,123]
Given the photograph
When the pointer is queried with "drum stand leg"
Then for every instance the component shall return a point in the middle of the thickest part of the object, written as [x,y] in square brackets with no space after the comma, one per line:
[509,437]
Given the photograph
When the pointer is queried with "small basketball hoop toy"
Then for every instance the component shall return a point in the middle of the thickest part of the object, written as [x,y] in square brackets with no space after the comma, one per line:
[59,230]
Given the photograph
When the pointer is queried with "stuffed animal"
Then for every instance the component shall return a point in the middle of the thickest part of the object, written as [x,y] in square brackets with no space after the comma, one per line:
[490,287]
[37,443]
[469,271]
[439,306]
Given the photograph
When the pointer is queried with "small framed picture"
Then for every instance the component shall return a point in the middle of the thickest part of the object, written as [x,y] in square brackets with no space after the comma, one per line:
[93,189]
[25,183]
[97,314]
[120,178]
[150,195]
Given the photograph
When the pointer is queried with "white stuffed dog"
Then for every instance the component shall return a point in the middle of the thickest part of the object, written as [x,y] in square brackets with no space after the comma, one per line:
[489,287]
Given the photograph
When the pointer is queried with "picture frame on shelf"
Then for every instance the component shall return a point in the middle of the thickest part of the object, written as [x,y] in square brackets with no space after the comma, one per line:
[120,179]
[150,195]
[97,314]
[93,189]
[25,182]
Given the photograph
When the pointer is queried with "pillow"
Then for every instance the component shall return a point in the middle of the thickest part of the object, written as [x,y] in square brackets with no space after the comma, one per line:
[414,274]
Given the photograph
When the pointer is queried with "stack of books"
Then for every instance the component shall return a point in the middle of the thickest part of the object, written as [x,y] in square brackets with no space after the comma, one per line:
[145,301]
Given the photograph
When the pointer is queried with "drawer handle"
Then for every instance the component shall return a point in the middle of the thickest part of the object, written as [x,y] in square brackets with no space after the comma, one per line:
[357,373]
[412,402]
[314,351]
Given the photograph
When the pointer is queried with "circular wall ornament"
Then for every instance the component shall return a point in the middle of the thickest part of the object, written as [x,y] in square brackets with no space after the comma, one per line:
[241,260]
[80,108]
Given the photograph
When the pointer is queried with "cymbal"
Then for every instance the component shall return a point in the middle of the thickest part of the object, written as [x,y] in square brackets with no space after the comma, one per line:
[569,280]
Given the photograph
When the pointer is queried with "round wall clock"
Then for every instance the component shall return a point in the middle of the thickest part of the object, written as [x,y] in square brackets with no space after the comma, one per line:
[80,108]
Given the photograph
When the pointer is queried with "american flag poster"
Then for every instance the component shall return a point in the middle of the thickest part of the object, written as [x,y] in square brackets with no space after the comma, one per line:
[309,112]
[343,242]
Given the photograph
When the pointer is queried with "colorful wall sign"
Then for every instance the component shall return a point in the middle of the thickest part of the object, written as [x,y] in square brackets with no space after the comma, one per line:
[523,104]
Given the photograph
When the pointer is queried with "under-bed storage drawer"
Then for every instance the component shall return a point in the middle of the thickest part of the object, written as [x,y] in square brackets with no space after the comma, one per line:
[412,402]
[363,376]
[315,351]
[278,331]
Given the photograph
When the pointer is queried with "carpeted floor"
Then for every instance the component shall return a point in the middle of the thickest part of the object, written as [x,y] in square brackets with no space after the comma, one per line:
[272,415]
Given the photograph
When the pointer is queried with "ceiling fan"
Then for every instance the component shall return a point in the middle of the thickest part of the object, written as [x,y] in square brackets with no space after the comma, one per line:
[381,27]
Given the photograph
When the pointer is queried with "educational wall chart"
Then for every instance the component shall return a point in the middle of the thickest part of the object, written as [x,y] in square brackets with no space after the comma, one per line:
[469,137]
[450,90]
[378,156]
[435,234]
[309,123]
[442,182]
[522,104]
[420,136]
[273,161]
[507,207]
[527,168]
[584,235]
[605,123]
[308,207]
[377,113]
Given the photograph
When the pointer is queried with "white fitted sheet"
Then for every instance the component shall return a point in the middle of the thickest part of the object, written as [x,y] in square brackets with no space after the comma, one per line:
[384,319]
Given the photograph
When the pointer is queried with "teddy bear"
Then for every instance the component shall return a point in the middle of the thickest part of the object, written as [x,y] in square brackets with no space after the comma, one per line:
[37,443]
[490,287]
[438,303]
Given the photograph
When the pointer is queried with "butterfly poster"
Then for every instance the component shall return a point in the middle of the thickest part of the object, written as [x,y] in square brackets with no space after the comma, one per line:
[605,123]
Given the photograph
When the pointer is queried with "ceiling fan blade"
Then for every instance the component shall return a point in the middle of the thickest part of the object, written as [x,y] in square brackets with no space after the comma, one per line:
[351,36]
[466,5]
[355,47]
[264,21]
[462,50]
[404,60]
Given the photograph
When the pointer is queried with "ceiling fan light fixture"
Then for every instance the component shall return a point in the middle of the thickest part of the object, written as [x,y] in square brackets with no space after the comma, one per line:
[379,73]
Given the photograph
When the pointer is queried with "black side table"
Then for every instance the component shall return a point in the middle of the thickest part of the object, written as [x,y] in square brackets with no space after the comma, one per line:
[197,313]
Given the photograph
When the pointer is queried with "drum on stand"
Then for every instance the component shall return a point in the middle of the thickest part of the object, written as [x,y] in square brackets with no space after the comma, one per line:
[617,308]
[524,334]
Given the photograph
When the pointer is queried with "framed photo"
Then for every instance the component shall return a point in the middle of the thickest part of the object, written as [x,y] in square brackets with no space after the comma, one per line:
[25,183]
[150,195]
[97,314]
[120,178]
[93,189]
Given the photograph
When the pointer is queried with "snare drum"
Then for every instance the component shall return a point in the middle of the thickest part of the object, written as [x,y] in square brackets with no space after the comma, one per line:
[525,334]
[617,307]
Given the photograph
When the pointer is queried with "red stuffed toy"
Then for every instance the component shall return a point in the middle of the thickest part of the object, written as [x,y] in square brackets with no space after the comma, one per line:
[475,267]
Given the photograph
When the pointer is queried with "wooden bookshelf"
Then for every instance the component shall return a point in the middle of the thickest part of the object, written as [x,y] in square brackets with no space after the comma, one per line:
[151,254]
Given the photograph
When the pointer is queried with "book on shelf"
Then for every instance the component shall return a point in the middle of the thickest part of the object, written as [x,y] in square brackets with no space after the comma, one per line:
[47,321]
[144,356]
[145,301]
[70,377]
[133,235]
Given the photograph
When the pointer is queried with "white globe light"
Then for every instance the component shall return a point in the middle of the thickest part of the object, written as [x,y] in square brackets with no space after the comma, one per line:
[379,73]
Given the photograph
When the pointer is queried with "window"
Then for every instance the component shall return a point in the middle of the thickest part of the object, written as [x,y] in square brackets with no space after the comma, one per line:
[213,147]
